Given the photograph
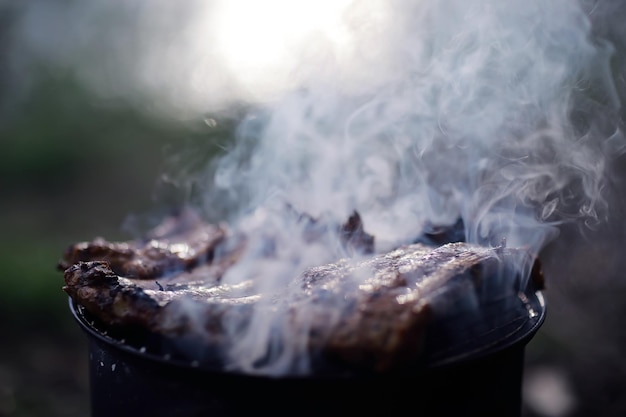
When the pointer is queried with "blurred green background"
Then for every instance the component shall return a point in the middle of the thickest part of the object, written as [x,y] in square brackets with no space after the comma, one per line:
[74,166]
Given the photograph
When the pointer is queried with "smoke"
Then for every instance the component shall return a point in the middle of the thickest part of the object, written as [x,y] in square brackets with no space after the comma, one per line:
[409,112]
[467,113]
[501,114]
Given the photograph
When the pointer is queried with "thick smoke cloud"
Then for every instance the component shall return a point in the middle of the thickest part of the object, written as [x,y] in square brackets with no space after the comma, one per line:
[469,113]
[501,114]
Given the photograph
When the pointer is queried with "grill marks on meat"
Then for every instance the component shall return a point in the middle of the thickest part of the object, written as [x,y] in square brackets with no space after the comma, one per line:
[124,302]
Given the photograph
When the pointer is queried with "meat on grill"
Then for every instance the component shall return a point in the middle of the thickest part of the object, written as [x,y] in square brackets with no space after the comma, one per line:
[185,241]
[378,308]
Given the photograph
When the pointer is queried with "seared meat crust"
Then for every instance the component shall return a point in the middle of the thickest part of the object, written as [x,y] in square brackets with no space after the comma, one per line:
[370,314]
[180,243]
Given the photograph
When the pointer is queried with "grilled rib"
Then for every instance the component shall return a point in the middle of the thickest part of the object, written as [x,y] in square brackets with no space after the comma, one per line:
[371,314]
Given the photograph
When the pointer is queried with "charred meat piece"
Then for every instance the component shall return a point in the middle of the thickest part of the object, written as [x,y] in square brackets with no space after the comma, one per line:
[112,299]
[354,237]
[185,241]
[179,243]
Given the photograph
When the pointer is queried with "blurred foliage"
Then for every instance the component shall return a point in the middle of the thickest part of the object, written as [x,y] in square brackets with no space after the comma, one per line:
[73,167]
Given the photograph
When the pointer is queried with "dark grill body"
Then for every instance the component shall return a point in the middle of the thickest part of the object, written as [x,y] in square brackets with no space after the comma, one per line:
[482,377]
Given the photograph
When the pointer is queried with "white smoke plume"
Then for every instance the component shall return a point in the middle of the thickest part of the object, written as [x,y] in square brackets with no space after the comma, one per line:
[466,111]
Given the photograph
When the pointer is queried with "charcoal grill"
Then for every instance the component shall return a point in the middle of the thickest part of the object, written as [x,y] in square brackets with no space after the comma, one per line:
[135,373]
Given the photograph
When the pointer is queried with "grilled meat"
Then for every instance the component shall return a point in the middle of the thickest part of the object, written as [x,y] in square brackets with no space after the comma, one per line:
[370,314]
[179,243]
[184,241]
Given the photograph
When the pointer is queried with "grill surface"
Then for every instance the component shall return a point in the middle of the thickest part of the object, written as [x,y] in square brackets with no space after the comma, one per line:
[457,339]
[134,373]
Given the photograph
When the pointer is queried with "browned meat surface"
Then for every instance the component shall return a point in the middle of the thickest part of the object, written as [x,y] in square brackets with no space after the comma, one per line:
[185,241]
[384,324]
[179,243]
[371,313]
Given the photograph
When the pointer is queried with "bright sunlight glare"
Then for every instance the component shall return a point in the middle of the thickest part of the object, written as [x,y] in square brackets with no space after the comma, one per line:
[261,41]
